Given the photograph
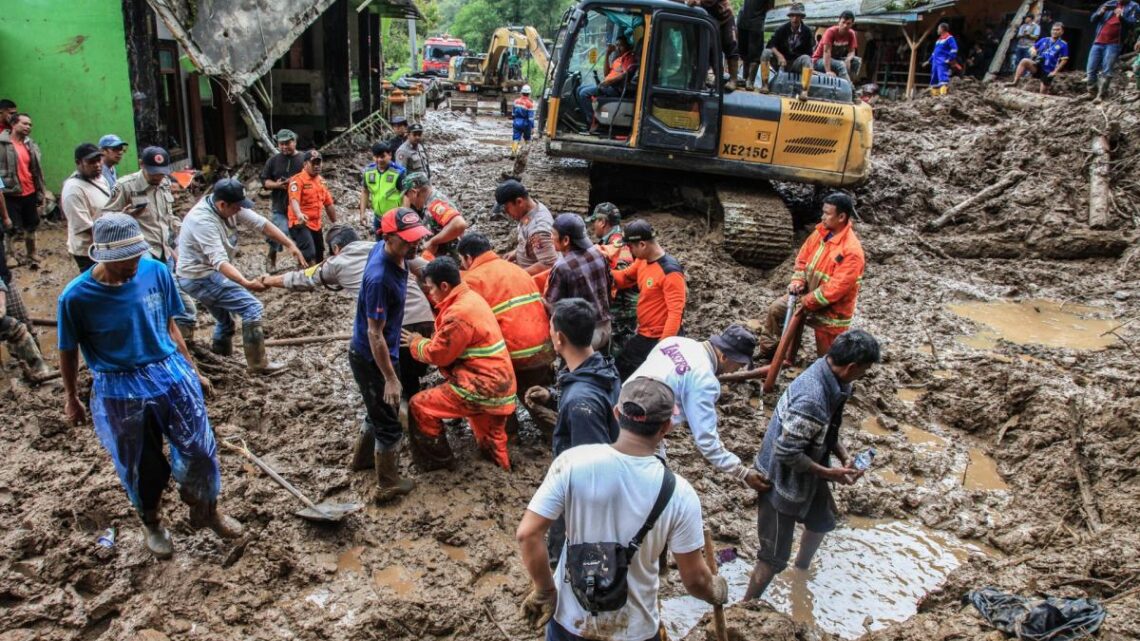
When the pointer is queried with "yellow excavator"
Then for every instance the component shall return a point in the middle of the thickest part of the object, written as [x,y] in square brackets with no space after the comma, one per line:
[498,74]
[669,132]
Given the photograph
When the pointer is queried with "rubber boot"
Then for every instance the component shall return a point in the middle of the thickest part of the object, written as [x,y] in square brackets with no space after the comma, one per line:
[271,262]
[514,149]
[1101,89]
[733,69]
[430,453]
[765,71]
[362,458]
[30,246]
[944,90]
[253,342]
[206,514]
[157,537]
[26,350]
[750,76]
[223,346]
[388,482]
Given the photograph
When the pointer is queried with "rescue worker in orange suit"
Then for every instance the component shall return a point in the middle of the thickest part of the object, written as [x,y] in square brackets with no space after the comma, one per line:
[660,281]
[618,71]
[479,381]
[828,272]
[517,305]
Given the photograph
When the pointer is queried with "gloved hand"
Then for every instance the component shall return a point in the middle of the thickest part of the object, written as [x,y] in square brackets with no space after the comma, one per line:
[539,607]
[719,590]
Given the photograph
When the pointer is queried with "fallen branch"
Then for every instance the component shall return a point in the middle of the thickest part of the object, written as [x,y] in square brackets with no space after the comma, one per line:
[498,625]
[1084,483]
[306,340]
[1010,179]
[1100,191]
[43,322]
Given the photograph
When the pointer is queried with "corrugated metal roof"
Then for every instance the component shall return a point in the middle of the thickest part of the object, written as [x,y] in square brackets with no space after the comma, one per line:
[826,12]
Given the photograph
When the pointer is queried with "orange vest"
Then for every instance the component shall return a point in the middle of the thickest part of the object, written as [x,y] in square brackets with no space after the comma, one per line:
[469,350]
[517,305]
[833,271]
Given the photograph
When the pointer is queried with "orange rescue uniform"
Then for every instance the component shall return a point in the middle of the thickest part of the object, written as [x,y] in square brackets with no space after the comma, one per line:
[517,305]
[471,354]
[312,194]
[661,303]
[832,270]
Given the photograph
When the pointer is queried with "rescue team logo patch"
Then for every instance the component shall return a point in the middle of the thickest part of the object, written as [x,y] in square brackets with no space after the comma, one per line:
[410,219]
[649,282]
[159,159]
[292,186]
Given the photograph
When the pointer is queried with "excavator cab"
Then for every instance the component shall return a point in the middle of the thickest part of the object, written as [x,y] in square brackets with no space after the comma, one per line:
[671,118]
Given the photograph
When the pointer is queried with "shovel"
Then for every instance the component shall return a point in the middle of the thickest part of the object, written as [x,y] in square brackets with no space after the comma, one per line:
[792,322]
[323,513]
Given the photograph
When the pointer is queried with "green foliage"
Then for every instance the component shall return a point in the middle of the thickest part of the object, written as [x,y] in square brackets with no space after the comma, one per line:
[475,21]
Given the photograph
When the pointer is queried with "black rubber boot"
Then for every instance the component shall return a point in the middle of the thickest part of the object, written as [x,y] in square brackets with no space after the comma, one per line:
[157,537]
[253,342]
[388,481]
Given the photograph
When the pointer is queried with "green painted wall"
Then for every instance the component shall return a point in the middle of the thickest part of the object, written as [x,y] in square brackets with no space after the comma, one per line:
[65,63]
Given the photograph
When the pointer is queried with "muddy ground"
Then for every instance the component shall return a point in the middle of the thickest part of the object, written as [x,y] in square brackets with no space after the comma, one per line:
[442,563]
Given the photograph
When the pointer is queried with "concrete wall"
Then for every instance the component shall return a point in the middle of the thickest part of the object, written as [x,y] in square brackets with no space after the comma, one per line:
[65,63]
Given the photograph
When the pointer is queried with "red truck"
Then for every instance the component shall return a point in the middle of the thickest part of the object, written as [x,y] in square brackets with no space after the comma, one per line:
[438,52]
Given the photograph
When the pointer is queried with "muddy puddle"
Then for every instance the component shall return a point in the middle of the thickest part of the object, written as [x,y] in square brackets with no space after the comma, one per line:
[864,566]
[982,473]
[1037,322]
[917,436]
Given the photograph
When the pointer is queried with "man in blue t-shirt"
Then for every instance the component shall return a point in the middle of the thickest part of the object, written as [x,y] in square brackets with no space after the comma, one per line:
[375,348]
[120,314]
[1049,57]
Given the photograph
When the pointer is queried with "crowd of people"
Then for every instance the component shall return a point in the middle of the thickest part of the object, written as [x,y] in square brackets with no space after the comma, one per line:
[582,322]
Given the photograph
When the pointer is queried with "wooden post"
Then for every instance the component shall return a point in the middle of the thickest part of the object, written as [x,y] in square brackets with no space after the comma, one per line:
[1003,46]
[914,45]
[197,126]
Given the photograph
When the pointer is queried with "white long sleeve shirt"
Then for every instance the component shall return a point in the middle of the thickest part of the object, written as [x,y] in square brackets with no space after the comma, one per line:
[207,240]
[688,367]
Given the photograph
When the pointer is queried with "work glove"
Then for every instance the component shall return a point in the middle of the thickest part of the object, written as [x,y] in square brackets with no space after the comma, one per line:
[719,590]
[539,607]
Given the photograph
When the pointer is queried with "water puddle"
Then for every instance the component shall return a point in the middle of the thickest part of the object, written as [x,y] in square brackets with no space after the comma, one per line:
[1036,321]
[397,579]
[499,142]
[889,476]
[943,374]
[922,437]
[454,553]
[874,425]
[867,569]
[349,560]
[910,394]
[982,473]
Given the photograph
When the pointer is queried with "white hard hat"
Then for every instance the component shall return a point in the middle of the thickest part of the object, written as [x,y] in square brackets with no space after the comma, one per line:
[526,89]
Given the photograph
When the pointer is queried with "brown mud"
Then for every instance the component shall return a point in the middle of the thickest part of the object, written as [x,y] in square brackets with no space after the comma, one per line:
[442,563]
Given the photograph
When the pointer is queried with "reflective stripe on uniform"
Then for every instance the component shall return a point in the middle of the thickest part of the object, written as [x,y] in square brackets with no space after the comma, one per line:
[820,298]
[529,351]
[517,301]
[484,352]
[497,401]
[419,348]
[831,322]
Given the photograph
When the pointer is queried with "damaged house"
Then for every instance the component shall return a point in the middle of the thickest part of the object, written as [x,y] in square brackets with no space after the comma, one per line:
[207,79]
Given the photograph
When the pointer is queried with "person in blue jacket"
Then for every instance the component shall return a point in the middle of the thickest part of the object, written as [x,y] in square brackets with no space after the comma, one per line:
[523,120]
[944,54]
[1048,57]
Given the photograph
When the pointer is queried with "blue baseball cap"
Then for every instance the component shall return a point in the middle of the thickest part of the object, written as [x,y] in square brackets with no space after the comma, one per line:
[111,141]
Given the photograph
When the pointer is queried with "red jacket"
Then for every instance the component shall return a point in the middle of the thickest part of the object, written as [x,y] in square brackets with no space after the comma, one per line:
[833,272]
[517,305]
[470,352]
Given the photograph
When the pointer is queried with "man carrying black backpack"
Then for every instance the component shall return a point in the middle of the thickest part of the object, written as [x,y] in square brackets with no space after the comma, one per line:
[622,507]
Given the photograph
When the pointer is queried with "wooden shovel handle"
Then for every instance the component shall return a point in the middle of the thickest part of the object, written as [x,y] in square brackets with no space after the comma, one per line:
[271,472]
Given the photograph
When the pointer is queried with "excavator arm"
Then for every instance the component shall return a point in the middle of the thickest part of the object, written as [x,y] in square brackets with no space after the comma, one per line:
[537,48]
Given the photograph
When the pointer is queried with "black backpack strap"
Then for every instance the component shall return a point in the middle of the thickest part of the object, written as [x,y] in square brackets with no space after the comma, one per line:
[668,484]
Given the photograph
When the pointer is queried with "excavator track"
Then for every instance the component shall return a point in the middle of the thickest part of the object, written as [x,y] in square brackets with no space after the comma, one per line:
[757,225]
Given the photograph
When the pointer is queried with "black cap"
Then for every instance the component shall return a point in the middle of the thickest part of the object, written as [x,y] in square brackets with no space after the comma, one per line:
[311,154]
[155,160]
[638,231]
[606,211]
[230,190]
[381,148]
[572,226]
[87,151]
[399,120]
[736,343]
[645,400]
[417,128]
[507,191]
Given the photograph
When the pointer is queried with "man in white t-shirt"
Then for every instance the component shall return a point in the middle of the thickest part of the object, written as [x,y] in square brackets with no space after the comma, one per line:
[606,492]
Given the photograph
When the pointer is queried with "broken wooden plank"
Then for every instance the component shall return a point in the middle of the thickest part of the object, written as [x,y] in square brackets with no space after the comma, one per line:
[1100,189]
[1011,178]
[1084,483]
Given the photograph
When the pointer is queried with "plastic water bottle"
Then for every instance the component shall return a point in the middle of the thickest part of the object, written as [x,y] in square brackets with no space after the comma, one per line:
[107,538]
[863,460]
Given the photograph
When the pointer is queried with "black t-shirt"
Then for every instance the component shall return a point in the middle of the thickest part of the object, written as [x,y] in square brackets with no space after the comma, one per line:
[281,167]
[752,14]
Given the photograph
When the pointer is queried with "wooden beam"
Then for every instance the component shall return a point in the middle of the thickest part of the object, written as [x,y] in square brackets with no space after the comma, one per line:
[1010,33]
[914,45]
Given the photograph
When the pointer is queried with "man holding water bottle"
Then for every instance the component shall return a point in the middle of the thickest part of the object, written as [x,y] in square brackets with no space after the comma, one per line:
[796,453]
